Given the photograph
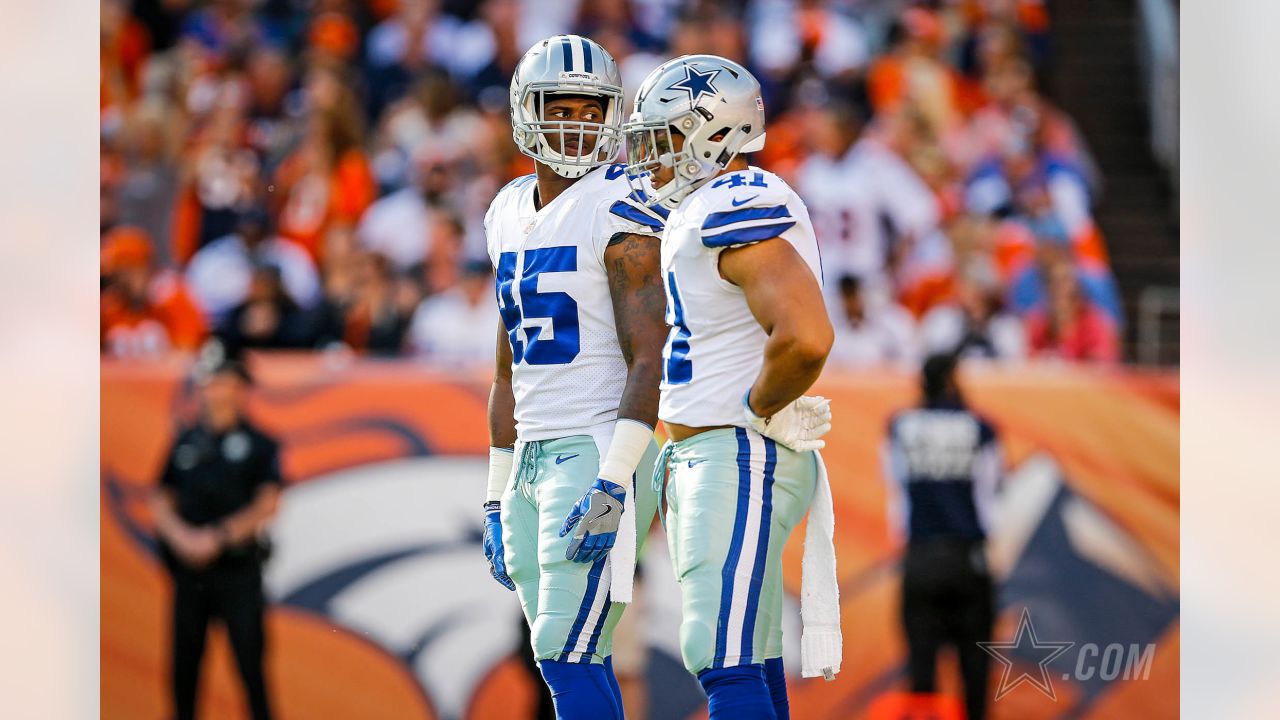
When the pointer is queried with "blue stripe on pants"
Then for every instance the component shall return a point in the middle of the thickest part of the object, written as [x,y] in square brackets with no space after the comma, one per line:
[584,611]
[762,550]
[735,547]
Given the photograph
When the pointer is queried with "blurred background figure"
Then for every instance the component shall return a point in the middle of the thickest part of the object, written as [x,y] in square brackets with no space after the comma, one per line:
[367,315]
[220,273]
[452,327]
[871,331]
[1067,325]
[944,467]
[146,310]
[219,488]
[267,319]
[973,324]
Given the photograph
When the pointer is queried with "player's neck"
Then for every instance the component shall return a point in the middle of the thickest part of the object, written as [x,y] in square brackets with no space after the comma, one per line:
[737,163]
[550,185]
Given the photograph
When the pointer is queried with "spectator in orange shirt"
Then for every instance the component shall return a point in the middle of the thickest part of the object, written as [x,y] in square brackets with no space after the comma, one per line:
[145,311]
[123,47]
[327,180]
[1068,326]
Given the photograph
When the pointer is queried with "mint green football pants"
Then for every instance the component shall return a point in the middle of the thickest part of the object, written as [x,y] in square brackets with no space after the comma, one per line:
[733,497]
[567,604]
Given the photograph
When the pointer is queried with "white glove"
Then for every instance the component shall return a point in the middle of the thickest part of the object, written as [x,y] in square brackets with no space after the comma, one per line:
[800,425]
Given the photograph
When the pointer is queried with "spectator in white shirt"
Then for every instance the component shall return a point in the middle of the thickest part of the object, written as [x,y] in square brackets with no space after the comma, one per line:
[784,32]
[399,226]
[974,324]
[871,329]
[220,273]
[456,326]
[864,199]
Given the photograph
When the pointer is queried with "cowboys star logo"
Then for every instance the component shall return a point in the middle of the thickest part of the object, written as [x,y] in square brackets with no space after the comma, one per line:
[696,83]
[1026,643]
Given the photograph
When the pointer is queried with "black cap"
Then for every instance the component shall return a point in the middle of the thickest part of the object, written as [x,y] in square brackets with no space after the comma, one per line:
[936,375]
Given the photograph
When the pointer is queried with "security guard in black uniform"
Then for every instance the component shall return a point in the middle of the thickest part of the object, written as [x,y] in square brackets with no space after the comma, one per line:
[220,485]
[944,466]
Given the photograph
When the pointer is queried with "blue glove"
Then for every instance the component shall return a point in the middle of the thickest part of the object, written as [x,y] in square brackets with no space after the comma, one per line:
[493,544]
[596,515]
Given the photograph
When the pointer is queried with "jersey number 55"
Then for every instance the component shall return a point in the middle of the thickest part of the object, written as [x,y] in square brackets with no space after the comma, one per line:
[549,319]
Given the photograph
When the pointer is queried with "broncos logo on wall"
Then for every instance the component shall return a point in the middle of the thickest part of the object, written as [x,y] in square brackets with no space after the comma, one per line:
[383,607]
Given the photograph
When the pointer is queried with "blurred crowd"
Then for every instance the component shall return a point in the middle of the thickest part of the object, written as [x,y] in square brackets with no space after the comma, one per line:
[313,174]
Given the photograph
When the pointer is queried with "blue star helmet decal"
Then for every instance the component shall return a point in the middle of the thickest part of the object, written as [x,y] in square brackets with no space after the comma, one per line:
[696,83]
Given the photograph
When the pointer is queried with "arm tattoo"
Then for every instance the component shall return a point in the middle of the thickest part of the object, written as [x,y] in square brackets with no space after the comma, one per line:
[633,264]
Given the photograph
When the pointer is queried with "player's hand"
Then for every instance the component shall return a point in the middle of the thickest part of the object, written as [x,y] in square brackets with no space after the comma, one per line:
[493,544]
[596,516]
[799,426]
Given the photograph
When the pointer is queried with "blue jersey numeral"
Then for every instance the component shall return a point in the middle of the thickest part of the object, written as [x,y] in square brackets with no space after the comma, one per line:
[560,308]
[737,180]
[678,369]
[507,308]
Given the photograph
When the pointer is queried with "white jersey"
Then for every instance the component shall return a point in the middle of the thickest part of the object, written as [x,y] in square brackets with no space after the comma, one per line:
[567,369]
[716,348]
[859,202]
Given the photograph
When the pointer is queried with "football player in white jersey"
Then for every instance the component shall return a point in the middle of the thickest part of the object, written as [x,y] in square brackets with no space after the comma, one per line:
[749,335]
[575,394]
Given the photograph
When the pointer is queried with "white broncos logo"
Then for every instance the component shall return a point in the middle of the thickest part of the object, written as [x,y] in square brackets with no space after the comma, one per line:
[392,552]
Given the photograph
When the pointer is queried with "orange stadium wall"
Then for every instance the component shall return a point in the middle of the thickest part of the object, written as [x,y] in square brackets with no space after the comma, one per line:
[382,606]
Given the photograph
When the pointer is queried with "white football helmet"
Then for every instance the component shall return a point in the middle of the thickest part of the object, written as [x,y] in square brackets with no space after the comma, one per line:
[701,97]
[566,65]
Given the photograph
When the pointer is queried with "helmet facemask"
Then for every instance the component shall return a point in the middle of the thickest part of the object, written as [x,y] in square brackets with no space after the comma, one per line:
[597,143]
[706,150]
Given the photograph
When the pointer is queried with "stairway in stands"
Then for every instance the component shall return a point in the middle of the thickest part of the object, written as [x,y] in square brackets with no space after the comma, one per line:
[1095,78]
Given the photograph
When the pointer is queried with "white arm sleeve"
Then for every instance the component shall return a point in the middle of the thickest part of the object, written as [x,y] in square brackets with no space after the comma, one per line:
[501,460]
[630,439]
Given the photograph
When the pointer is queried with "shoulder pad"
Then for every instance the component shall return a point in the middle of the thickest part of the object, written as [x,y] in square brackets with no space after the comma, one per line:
[633,208]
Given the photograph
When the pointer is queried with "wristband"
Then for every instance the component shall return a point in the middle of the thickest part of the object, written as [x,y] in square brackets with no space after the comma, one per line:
[755,420]
[500,462]
[630,439]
